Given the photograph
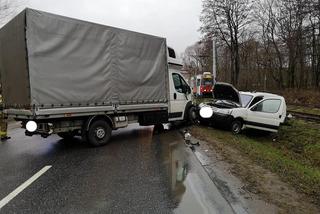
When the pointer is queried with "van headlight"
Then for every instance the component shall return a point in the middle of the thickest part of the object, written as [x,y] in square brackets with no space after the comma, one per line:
[31,126]
[206,112]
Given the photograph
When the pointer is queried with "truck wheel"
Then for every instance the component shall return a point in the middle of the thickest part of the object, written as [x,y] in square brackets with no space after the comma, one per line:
[236,126]
[158,128]
[192,116]
[99,133]
[66,135]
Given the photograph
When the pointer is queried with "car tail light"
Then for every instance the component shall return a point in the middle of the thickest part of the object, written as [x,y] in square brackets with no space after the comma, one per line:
[201,88]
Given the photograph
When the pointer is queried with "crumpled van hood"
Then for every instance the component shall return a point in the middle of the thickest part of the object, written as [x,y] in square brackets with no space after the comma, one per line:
[225,91]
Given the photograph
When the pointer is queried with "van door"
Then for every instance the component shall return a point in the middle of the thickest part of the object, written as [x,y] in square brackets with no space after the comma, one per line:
[180,95]
[265,115]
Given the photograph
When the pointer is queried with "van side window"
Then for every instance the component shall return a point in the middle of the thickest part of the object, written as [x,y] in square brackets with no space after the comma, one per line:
[185,85]
[172,53]
[255,100]
[179,83]
[268,106]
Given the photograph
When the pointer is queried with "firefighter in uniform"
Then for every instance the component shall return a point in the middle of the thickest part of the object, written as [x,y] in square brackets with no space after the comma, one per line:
[3,122]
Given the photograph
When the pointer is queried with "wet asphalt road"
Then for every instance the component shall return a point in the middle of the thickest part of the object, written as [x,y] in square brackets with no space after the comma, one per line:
[137,172]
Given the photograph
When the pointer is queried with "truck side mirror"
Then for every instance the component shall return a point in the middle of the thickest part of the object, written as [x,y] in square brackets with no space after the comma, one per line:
[184,89]
[188,90]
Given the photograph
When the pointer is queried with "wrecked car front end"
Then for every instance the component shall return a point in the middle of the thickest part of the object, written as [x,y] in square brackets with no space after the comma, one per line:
[240,110]
[220,110]
[210,114]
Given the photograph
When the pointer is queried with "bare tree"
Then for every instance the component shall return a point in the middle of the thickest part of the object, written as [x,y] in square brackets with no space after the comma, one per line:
[228,21]
[314,27]
[266,13]
[196,58]
[291,25]
[274,40]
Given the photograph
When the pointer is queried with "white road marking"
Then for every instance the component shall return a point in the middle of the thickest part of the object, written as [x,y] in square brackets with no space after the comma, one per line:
[14,193]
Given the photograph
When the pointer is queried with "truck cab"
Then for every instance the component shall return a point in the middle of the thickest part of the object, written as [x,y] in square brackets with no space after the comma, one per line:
[180,105]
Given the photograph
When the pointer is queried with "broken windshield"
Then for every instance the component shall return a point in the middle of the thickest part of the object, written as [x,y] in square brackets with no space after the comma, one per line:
[245,99]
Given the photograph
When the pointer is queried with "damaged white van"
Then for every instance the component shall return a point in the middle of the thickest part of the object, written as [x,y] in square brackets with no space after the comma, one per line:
[240,110]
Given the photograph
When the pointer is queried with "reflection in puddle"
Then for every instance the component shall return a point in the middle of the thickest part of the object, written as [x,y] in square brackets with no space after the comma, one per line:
[186,186]
[177,170]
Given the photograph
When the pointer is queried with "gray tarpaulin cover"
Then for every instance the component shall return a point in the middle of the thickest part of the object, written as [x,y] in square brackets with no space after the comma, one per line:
[49,60]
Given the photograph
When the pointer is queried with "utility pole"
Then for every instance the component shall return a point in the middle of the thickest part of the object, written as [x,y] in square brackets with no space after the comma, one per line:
[214,61]
[265,82]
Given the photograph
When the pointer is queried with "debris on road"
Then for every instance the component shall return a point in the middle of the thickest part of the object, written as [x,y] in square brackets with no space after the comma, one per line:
[188,140]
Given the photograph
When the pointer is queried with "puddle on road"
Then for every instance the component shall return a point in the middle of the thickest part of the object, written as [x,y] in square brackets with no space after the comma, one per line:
[189,189]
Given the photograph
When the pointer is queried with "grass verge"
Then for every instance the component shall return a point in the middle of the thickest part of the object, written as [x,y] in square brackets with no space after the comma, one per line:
[303,109]
[294,156]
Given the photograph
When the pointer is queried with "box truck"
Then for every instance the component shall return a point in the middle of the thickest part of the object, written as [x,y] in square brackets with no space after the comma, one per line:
[69,77]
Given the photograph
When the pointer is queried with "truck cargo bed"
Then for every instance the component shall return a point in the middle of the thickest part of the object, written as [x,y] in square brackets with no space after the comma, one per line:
[53,65]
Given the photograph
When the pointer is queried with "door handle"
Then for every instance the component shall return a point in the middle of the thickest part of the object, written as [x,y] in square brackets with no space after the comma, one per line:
[175,96]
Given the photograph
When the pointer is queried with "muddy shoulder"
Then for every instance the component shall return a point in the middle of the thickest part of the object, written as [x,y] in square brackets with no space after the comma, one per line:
[256,188]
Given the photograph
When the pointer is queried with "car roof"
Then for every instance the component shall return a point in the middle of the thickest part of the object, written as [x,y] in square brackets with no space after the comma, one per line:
[264,94]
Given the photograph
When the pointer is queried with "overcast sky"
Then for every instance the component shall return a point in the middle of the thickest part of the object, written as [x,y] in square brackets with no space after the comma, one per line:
[176,20]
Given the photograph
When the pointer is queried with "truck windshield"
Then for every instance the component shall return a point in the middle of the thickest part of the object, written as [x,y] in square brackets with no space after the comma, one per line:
[245,99]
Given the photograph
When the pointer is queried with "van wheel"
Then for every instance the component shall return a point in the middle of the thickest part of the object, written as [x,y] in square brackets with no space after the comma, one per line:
[99,133]
[192,116]
[158,128]
[236,126]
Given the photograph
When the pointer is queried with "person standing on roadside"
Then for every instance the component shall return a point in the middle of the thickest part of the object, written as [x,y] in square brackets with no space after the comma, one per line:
[3,122]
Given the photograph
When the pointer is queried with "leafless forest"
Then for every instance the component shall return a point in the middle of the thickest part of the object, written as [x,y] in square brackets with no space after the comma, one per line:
[260,44]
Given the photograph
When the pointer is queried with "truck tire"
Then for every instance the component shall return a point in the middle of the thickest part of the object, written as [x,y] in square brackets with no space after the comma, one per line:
[192,116]
[236,126]
[158,129]
[99,133]
[66,135]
